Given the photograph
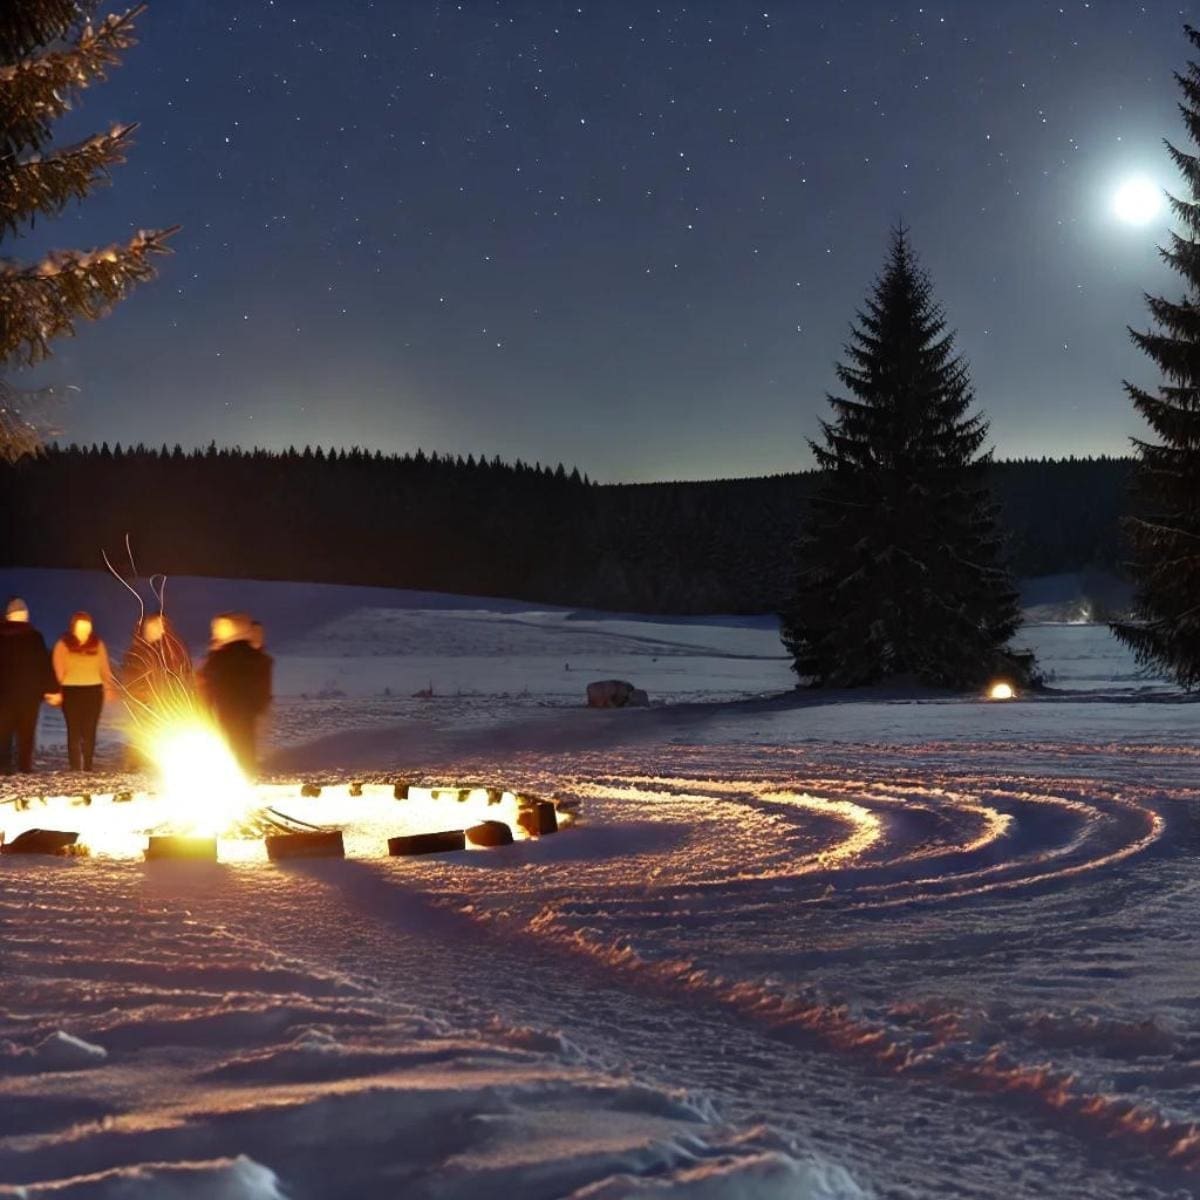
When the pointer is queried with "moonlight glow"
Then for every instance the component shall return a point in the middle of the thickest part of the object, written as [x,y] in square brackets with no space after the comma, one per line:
[1137,201]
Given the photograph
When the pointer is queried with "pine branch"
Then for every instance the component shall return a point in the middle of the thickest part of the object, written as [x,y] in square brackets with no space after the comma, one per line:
[23,427]
[1186,211]
[1187,164]
[1181,319]
[28,24]
[1182,255]
[36,91]
[1176,358]
[42,302]
[47,185]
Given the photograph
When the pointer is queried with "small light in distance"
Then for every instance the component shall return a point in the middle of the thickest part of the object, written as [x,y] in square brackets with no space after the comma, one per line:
[1001,691]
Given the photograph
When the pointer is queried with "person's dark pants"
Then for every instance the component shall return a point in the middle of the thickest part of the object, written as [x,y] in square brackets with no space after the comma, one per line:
[18,723]
[81,708]
[239,731]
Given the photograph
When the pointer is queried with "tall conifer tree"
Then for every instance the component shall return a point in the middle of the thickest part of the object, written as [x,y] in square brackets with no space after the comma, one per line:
[50,50]
[900,563]
[1164,535]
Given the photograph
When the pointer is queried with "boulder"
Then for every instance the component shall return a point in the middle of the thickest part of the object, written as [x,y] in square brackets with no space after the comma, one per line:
[609,693]
[41,841]
[490,833]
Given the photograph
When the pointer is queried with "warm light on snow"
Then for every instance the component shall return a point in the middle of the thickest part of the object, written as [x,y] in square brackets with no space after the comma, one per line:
[201,792]
[433,809]
[1001,691]
[1137,201]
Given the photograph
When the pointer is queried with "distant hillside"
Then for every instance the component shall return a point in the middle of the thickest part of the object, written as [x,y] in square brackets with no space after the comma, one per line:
[486,527]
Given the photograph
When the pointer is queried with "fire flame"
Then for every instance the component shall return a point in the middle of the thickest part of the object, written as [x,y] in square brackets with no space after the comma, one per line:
[1001,691]
[202,790]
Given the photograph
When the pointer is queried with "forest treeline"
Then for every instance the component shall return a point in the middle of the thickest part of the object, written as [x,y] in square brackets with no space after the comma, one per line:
[485,527]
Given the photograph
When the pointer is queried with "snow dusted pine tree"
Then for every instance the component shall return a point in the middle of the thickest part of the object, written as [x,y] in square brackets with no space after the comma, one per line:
[1165,532]
[50,49]
[900,565]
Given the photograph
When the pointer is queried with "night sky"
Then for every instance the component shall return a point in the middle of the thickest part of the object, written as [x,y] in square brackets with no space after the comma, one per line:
[616,235]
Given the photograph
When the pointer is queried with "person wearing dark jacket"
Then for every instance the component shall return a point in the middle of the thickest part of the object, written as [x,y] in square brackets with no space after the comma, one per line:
[26,679]
[236,681]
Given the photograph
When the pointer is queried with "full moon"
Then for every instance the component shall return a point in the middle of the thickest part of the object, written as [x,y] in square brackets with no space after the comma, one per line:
[1137,201]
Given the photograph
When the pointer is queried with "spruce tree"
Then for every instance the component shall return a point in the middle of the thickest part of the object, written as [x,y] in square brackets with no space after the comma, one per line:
[1164,534]
[49,50]
[900,569]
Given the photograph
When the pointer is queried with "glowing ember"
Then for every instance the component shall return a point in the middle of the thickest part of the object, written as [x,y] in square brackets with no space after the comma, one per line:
[1001,691]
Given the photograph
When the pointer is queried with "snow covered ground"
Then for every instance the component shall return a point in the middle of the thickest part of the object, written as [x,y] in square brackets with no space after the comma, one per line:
[885,945]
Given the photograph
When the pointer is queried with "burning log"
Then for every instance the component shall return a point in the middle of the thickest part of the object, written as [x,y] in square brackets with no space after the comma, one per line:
[318,844]
[427,843]
[191,849]
[40,841]
[490,833]
[538,818]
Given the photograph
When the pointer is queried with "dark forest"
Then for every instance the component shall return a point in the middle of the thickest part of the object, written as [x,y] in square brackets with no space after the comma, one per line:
[489,528]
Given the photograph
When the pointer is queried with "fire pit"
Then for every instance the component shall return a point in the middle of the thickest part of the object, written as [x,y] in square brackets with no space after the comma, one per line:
[277,822]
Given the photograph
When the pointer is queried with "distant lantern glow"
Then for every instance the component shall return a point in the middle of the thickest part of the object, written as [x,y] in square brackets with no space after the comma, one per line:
[1001,691]
[1137,201]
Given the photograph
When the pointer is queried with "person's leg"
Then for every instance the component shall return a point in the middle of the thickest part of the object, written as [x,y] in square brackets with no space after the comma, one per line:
[241,741]
[8,734]
[27,720]
[94,703]
[72,707]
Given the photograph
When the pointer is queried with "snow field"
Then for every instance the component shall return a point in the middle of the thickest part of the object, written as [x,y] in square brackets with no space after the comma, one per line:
[201,1062]
[945,944]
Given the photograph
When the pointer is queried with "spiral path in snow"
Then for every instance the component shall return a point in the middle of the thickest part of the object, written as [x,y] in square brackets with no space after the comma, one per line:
[973,928]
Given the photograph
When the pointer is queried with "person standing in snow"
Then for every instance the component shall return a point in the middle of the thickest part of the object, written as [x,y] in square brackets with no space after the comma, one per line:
[26,679]
[85,678]
[236,681]
[157,663]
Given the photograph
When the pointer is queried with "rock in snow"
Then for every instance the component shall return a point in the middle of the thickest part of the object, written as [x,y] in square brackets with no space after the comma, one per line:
[615,693]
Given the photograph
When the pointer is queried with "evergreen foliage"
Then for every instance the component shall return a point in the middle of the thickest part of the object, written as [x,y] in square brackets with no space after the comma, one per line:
[1164,534]
[900,566]
[50,50]
[486,528]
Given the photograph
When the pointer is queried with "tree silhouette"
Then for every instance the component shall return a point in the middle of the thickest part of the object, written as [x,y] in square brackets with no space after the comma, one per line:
[49,50]
[1164,532]
[900,570]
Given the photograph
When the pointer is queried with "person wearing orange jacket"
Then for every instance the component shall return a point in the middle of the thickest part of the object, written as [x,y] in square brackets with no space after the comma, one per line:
[86,680]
